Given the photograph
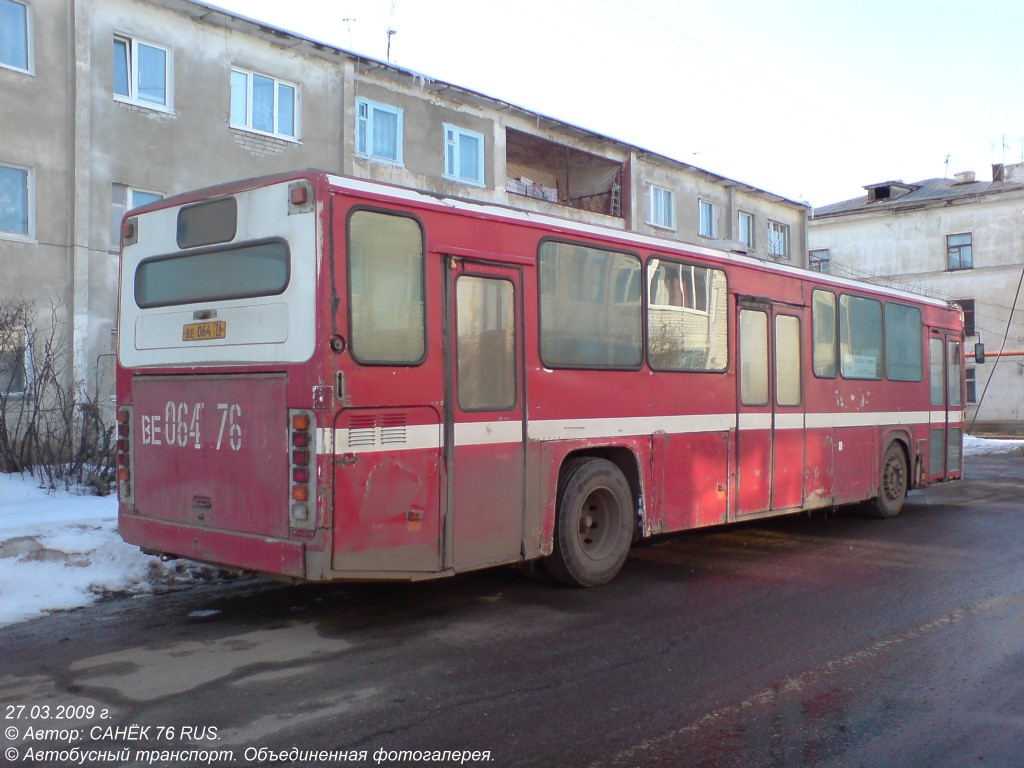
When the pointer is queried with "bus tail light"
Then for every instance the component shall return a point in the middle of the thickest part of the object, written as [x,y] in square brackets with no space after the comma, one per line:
[301,470]
[123,452]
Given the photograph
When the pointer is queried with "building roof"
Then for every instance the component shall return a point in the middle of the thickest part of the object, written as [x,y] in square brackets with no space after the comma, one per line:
[900,196]
[208,10]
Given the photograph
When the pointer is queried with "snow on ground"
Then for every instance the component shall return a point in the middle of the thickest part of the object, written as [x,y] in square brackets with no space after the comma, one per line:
[59,550]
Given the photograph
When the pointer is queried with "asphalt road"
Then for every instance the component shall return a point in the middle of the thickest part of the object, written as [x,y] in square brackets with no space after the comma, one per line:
[823,640]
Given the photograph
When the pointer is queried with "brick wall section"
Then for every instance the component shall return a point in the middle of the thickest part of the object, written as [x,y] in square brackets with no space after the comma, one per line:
[260,146]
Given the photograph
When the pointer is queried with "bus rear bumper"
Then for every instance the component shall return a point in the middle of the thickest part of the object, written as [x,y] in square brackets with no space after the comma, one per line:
[260,554]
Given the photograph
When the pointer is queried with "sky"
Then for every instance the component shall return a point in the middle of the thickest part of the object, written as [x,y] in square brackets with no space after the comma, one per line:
[810,99]
[61,551]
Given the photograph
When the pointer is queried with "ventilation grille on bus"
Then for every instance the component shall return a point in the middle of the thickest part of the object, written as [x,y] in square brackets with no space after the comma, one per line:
[383,429]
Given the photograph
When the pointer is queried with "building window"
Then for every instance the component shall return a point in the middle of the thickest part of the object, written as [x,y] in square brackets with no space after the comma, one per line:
[967,305]
[708,220]
[745,229]
[778,240]
[122,199]
[13,371]
[959,254]
[378,132]
[463,155]
[972,385]
[142,73]
[661,207]
[820,260]
[264,104]
[15,36]
[16,201]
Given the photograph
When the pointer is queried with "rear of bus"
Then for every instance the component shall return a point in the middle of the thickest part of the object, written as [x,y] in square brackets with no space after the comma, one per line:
[217,377]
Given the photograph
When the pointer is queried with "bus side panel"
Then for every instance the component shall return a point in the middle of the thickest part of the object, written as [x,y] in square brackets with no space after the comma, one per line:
[818,469]
[856,463]
[387,490]
[695,474]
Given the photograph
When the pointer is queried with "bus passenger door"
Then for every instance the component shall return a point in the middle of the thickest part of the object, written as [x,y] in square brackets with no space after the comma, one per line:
[770,411]
[945,364]
[484,430]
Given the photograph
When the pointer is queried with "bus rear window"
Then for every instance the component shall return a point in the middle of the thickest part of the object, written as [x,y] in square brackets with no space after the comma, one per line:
[207,223]
[239,272]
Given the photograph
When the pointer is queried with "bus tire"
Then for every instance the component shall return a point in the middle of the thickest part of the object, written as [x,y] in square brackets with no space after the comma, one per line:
[593,523]
[893,484]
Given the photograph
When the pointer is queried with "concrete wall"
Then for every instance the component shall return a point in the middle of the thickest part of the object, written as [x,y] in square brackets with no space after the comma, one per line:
[36,132]
[728,198]
[64,122]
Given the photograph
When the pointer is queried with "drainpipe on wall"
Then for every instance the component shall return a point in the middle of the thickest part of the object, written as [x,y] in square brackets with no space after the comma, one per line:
[81,128]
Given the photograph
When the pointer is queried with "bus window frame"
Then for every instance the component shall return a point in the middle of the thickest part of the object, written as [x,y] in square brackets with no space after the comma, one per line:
[423,282]
[540,307]
[647,304]
[885,341]
[880,362]
[835,335]
[202,252]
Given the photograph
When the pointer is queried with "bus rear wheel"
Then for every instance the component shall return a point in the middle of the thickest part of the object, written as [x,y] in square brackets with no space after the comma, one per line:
[893,483]
[593,523]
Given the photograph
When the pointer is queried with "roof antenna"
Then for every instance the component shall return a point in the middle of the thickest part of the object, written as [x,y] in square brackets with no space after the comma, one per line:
[391,31]
[946,174]
[391,28]
[348,23]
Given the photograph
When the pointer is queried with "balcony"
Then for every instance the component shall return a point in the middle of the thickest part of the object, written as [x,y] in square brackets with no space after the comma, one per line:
[556,173]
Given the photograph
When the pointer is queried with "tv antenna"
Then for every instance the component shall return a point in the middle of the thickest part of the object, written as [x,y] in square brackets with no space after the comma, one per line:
[391,31]
[348,25]
[946,174]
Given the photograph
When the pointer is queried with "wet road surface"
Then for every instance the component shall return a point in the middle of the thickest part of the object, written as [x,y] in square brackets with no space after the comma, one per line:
[822,640]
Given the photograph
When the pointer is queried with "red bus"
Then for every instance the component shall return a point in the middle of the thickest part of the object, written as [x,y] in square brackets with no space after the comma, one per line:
[324,378]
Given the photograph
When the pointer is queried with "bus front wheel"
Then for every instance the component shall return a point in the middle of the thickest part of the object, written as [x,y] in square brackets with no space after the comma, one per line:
[593,523]
[892,484]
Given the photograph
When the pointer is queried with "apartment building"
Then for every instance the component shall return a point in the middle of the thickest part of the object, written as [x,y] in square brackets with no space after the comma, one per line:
[108,104]
[958,239]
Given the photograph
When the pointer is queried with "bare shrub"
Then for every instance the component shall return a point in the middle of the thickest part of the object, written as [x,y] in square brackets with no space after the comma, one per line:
[50,425]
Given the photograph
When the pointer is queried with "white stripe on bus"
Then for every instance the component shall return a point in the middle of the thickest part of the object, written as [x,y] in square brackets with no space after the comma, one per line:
[427,436]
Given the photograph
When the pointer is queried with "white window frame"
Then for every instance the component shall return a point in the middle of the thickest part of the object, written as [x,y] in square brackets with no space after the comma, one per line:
[971,386]
[452,153]
[30,204]
[29,68]
[712,211]
[247,125]
[749,240]
[958,248]
[661,214]
[366,121]
[132,97]
[776,231]
[118,210]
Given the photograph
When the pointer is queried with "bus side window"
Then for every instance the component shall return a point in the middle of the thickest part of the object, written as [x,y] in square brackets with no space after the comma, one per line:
[385,271]
[860,337]
[823,316]
[589,316]
[903,343]
[687,322]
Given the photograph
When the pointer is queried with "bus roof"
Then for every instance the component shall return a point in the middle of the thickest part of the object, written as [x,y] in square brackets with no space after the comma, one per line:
[436,200]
